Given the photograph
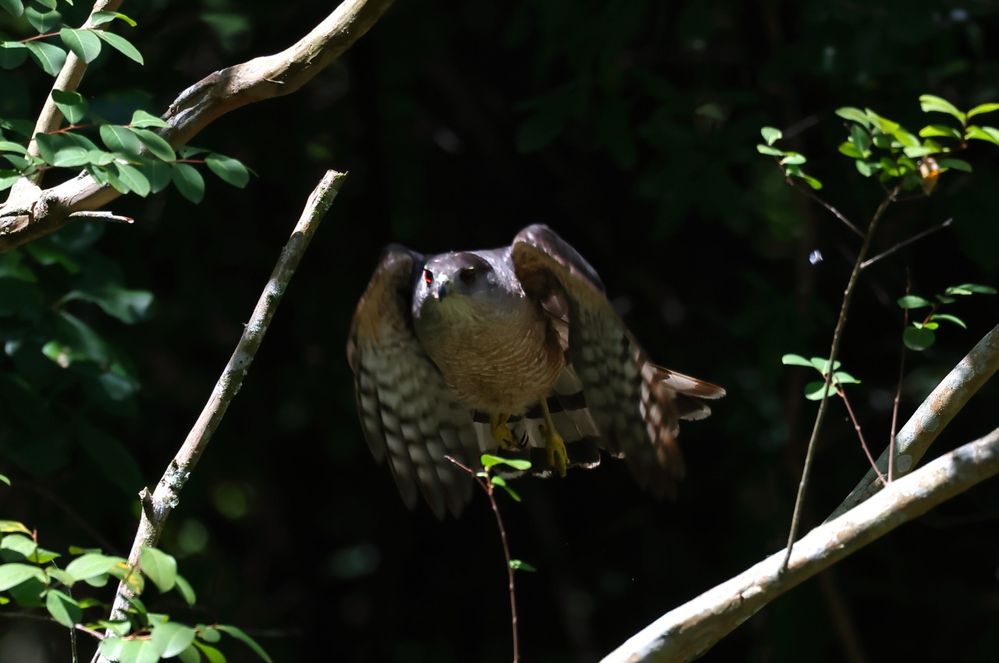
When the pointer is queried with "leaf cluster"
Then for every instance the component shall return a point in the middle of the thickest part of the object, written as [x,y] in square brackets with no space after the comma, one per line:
[920,334]
[816,390]
[32,577]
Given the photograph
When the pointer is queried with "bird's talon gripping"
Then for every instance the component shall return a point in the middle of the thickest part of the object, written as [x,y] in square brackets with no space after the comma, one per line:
[558,457]
[502,433]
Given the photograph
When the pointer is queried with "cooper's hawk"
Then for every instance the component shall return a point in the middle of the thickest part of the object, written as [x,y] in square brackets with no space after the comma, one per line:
[515,349]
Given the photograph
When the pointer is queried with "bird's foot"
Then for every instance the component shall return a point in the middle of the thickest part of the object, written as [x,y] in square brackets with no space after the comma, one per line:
[558,457]
[502,433]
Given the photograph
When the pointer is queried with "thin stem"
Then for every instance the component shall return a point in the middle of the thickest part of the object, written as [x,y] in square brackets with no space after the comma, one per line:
[832,210]
[833,352]
[860,434]
[907,242]
[487,486]
[898,387]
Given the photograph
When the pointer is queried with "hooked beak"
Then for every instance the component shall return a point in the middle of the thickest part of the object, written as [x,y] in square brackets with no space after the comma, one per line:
[443,287]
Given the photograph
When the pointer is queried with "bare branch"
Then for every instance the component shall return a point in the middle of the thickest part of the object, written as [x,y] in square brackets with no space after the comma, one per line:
[102,216]
[156,508]
[930,418]
[906,242]
[830,368]
[691,629]
[31,215]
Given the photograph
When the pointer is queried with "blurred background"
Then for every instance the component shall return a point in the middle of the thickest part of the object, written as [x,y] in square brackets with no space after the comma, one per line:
[629,127]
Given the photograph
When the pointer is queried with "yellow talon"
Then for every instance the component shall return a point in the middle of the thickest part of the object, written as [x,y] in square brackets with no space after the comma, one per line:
[501,432]
[558,457]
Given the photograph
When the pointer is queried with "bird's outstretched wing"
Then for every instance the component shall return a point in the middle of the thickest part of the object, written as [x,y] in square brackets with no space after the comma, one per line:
[635,403]
[408,414]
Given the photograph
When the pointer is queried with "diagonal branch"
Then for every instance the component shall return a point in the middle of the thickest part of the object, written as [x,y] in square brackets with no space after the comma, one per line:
[691,629]
[930,418]
[40,212]
[156,507]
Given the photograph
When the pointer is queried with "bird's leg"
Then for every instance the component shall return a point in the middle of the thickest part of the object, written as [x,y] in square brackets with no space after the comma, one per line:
[558,457]
[501,432]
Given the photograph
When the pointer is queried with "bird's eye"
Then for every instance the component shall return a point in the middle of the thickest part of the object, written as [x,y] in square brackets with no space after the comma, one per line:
[467,275]
[428,276]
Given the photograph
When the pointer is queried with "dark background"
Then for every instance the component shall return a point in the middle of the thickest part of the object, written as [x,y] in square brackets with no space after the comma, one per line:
[629,127]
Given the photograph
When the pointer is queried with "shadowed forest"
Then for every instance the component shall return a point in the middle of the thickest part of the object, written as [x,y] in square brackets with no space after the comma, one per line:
[631,129]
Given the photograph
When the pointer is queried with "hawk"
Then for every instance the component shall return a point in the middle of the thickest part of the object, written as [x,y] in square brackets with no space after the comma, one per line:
[515,349]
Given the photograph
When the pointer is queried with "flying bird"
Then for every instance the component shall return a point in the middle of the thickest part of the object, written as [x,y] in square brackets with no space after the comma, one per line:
[514,350]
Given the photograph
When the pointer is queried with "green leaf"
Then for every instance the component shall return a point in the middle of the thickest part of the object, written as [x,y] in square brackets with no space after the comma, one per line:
[821,364]
[770,151]
[133,178]
[245,639]
[155,143]
[866,169]
[919,151]
[143,120]
[854,115]
[521,565]
[60,150]
[159,567]
[795,360]
[171,639]
[100,18]
[8,526]
[209,633]
[63,608]
[43,21]
[185,590]
[121,45]
[12,575]
[84,43]
[771,134]
[953,319]
[988,134]
[92,565]
[4,479]
[19,543]
[792,159]
[841,377]
[8,146]
[128,306]
[982,109]
[72,105]
[883,124]
[13,7]
[918,339]
[189,655]
[913,301]
[120,139]
[970,289]
[228,169]
[189,182]
[47,56]
[488,460]
[956,164]
[140,650]
[501,482]
[211,653]
[933,130]
[815,390]
[933,104]
[847,148]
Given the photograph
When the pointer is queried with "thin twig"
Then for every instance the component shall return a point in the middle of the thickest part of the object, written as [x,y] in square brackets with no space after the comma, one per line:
[157,508]
[904,243]
[932,416]
[860,434]
[833,352]
[102,216]
[689,630]
[832,210]
[898,388]
[487,485]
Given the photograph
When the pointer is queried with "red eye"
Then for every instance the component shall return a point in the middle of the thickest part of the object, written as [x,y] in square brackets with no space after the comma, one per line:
[428,276]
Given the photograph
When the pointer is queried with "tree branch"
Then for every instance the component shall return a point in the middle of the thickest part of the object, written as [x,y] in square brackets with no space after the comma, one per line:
[36,213]
[156,507]
[930,418]
[691,629]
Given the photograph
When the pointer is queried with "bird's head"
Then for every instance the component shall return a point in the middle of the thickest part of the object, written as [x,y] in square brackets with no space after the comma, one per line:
[456,281]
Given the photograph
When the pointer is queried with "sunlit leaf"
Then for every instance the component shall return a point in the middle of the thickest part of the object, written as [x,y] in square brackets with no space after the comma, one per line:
[121,45]
[12,575]
[159,567]
[918,339]
[913,301]
[982,109]
[84,43]
[771,134]
[933,104]
[63,608]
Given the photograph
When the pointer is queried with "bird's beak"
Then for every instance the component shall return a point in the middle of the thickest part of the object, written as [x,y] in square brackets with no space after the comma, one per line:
[443,284]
